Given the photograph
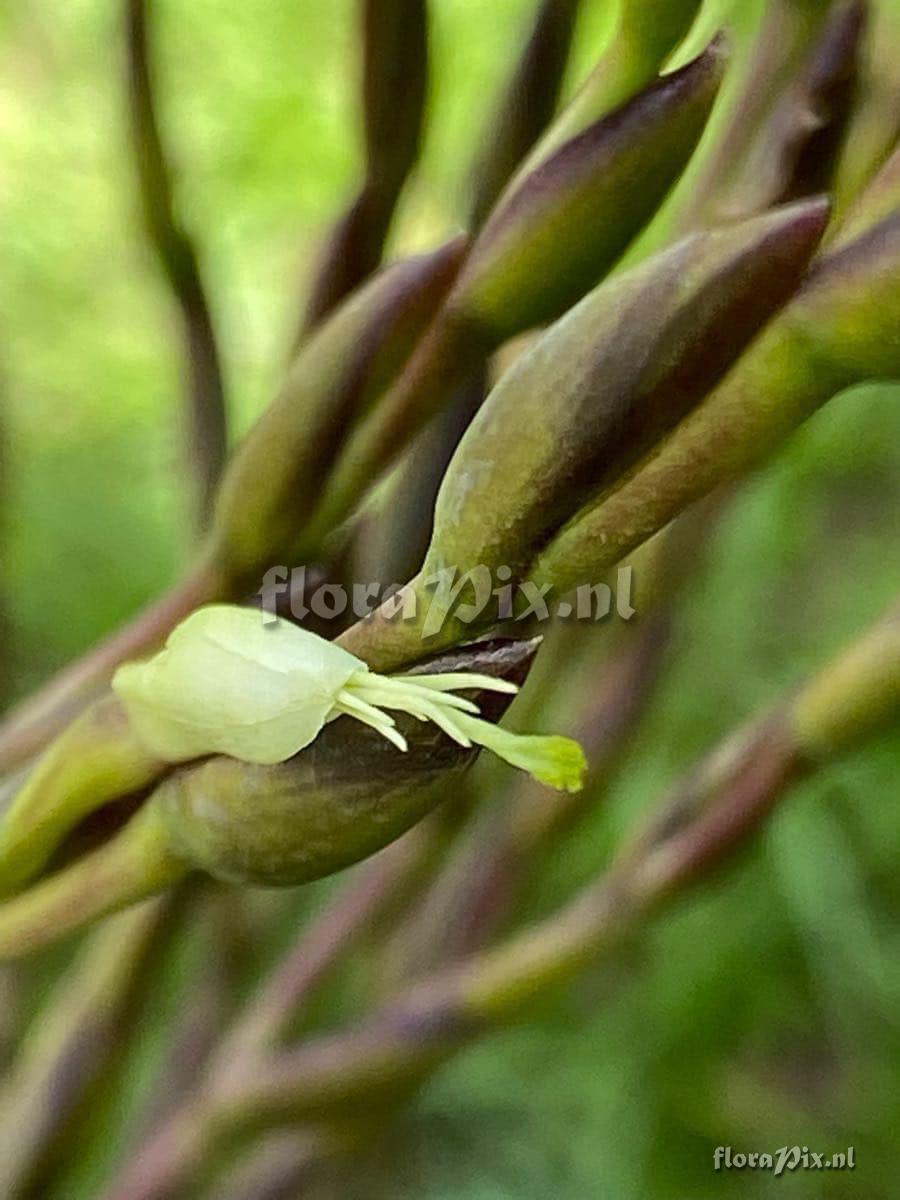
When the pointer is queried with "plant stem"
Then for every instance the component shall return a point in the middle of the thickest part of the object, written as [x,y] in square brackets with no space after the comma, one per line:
[527,104]
[395,76]
[135,864]
[179,261]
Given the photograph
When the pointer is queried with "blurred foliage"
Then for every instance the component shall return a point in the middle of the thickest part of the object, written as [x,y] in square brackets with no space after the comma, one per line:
[761,1014]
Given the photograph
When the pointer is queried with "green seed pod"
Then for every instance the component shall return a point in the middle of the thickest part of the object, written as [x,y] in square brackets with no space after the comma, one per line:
[839,330]
[275,476]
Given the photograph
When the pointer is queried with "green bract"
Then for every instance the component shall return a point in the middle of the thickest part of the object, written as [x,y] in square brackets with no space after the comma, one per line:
[230,682]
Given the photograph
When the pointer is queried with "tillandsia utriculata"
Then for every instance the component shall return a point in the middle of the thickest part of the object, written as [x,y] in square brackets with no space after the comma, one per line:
[656,283]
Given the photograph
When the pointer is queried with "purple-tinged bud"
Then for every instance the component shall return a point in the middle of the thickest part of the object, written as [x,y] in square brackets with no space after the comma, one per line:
[555,232]
[842,328]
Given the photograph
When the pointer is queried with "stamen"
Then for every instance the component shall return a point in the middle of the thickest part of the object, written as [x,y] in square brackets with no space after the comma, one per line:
[556,761]
[352,699]
[451,680]
[373,717]
[387,692]
[408,694]
[445,720]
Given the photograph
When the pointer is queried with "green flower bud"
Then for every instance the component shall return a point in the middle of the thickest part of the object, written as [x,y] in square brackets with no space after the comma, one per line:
[552,235]
[595,392]
[97,760]
[137,863]
[556,231]
[880,200]
[840,329]
[608,380]
[646,33]
[875,126]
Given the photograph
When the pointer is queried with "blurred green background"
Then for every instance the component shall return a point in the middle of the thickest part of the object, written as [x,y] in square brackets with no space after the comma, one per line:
[763,1012]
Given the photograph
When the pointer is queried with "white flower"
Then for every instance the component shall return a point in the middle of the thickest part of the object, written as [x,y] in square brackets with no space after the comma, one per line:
[227,683]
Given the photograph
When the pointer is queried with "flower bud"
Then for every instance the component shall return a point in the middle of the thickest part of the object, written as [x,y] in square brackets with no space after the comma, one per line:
[880,200]
[645,35]
[97,760]
[608,380]
[594,393]
[556,231]
[875,126]
[839,330]
[550,238]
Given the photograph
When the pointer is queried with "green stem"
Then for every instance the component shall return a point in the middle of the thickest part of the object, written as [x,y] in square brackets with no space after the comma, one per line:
[135,864]
[179,260]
